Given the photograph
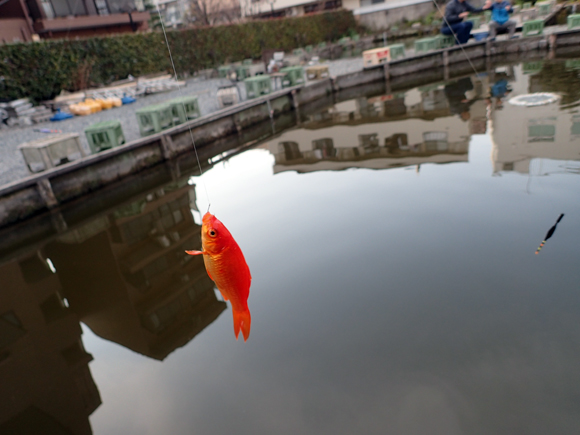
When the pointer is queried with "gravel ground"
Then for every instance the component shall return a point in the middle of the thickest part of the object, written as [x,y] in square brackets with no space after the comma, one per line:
[12,166]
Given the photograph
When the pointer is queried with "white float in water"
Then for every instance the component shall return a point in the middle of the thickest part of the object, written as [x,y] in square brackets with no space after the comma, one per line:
[536,99]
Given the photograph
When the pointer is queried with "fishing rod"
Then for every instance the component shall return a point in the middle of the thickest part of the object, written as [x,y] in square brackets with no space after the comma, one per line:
[181,92]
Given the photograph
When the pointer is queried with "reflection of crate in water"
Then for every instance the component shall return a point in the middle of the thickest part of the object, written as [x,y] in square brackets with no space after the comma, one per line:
[183,109]
[86,231]
[153,119]
[47,153]
[532,67]
[104,135]
[541,130]
[258,85]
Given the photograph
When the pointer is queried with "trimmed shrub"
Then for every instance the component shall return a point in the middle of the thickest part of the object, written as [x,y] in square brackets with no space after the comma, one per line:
[41,70]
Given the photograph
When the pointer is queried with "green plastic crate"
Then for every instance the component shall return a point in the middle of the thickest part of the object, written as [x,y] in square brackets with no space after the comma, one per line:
[355,37]
[445,41]
[544,8]
[573,21]
[104,135]
[572,64]
[475,20]
[247,61]
[527,5]
[242,72]
[183,109]
[426,44]
[294,76]
[397,51]
[298,52]
[344,40]
[258,85]
[533,28]
[308,48]
[322,45]
[155,118]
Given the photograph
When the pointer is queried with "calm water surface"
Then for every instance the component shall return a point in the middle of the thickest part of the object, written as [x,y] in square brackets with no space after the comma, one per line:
[395,288]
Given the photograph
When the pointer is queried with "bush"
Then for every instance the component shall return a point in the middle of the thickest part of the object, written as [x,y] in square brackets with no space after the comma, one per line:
[41,70]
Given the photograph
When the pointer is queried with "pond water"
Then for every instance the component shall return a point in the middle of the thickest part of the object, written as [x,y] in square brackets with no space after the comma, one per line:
[391,241]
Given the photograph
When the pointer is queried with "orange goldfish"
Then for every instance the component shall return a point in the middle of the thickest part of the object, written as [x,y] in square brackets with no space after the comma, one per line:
[226,266]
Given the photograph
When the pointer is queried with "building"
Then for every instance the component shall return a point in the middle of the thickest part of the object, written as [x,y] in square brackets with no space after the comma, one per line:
[291,8]
[377,15]
[32,20]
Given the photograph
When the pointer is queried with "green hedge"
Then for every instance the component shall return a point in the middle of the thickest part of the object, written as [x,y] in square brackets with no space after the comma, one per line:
[41,70]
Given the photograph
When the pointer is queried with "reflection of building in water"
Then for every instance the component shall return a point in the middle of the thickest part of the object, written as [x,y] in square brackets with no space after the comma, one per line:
[380,132]
[520,134]
[131,282]
[45,382]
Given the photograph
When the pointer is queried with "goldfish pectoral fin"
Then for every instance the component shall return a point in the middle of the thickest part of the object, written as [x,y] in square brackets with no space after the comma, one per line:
[242,322]
[195,252]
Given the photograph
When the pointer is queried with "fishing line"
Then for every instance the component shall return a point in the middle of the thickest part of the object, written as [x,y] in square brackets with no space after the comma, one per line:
[179,90]
[460,45]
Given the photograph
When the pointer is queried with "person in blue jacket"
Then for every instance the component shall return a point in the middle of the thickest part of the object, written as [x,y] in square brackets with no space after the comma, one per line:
[453,24]
[500,10]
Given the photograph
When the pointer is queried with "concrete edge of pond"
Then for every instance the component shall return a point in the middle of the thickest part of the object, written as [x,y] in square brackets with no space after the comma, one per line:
[25,198]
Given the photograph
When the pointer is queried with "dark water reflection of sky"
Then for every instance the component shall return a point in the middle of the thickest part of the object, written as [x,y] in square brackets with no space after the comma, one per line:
[404,300]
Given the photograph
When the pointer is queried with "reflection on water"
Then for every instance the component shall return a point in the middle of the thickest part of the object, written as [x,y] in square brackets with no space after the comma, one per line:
[127,277]
[431,124]
[124,273]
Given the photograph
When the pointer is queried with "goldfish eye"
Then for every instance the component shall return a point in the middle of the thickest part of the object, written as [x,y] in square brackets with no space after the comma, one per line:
[212,233]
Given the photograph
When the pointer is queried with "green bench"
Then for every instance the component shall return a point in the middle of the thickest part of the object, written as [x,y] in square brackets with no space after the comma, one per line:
[104,135]
[573,21]
[258,85]
[533,28]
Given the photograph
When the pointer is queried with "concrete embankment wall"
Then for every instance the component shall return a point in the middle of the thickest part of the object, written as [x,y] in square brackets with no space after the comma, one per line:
[37,194]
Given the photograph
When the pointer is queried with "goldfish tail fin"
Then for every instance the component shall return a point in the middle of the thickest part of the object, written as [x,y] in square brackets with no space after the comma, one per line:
[242,322]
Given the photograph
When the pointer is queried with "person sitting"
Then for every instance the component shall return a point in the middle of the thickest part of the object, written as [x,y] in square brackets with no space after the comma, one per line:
[500,22]
[453,24]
